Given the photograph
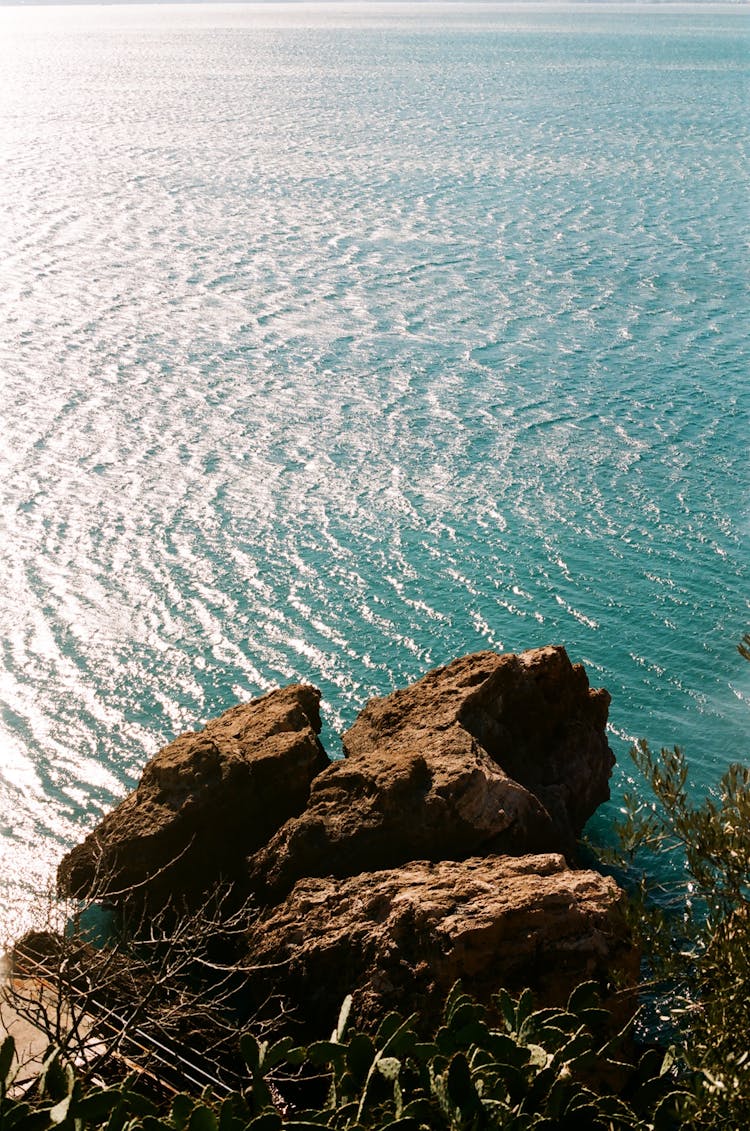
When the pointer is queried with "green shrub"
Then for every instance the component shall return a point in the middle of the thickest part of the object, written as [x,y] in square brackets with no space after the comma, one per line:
[517,1067]
[698,943]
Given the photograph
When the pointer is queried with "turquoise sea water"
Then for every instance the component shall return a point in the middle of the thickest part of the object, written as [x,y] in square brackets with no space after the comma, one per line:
[339,340]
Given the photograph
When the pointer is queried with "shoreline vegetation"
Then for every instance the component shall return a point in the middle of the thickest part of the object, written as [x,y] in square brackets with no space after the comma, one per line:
[425,897]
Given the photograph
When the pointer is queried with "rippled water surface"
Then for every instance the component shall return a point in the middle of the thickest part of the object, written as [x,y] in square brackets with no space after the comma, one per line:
[336,341]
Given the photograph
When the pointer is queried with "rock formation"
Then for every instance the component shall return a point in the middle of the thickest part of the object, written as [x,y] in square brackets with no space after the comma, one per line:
[203,803]
[491,754]
[399,939]
[434,850]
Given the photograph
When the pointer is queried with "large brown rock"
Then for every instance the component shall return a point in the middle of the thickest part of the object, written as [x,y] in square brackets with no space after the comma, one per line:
[491,754]
[203,803]
[434,851]
[399,939]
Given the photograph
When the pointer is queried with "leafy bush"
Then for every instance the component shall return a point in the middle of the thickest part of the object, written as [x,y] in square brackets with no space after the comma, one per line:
[698,944]
[522,1068]
[697,940]
[527,1068]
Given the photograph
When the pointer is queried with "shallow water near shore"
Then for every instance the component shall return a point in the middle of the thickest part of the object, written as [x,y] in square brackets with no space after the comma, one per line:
[340,340]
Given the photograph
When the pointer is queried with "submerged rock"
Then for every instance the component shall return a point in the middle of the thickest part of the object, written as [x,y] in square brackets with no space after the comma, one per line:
[203,803]
[399,939]
[491,754]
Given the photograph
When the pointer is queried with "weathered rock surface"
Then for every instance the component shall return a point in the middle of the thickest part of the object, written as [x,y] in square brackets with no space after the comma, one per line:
[495,753]
[399,939]
[435,850]
[204,802]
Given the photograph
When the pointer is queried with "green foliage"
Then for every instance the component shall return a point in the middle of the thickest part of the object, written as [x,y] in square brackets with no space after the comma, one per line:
[698,939]
[513,1067]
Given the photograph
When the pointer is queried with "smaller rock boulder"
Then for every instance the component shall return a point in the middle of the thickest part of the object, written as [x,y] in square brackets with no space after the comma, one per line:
[406,935]
[203,803]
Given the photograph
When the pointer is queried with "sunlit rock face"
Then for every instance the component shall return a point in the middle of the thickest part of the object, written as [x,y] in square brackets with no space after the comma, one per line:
[493,754]
[400,938]
[203,803]
[439,848]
